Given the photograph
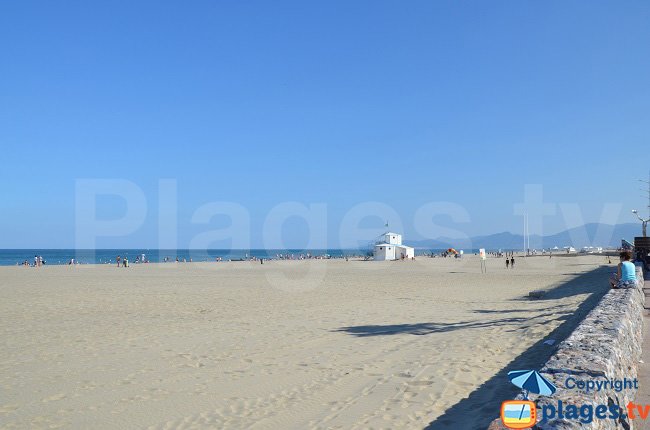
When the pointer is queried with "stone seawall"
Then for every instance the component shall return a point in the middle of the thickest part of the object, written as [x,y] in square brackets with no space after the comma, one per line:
[605,346]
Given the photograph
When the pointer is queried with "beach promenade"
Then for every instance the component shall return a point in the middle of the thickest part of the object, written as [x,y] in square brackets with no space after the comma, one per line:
[643,395]
[413,344]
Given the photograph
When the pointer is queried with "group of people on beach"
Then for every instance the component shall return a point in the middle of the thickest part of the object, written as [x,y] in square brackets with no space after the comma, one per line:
[122,262]
[510,262]
[307,256]
[38,261]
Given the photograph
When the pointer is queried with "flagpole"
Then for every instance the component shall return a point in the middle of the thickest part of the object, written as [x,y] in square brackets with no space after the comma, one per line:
[525,229]
[527,236]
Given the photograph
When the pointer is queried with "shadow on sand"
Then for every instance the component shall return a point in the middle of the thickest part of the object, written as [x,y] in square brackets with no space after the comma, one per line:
[483,404]
[421,329]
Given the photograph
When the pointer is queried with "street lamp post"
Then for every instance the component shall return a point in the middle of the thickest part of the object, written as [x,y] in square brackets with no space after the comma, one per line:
[644,222]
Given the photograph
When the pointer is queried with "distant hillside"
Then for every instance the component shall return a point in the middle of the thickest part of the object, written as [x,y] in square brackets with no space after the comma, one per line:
[593,234]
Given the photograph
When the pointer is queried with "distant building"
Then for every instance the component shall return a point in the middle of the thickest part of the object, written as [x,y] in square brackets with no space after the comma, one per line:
[390,247]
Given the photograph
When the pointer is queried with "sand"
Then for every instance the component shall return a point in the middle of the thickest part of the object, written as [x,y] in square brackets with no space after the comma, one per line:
[284,345]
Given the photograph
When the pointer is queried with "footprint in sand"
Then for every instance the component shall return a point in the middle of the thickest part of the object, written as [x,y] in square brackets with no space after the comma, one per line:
[5,409]
[420,383]
[54,398]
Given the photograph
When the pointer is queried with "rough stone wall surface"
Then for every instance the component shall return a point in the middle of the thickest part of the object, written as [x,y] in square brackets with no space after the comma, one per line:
[605,346]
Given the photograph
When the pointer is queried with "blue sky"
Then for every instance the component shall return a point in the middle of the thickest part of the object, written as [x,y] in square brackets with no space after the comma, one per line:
[340,103]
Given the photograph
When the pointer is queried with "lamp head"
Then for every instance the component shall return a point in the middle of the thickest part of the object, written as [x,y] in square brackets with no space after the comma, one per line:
[634,211]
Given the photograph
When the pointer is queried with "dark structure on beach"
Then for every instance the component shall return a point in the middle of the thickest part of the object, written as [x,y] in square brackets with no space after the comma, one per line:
[642,250]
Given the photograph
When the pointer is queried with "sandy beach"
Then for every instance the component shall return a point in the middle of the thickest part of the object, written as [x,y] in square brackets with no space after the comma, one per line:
[324,344]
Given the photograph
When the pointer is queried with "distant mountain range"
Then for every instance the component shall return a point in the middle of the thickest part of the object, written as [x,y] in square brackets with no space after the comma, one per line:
[594,234]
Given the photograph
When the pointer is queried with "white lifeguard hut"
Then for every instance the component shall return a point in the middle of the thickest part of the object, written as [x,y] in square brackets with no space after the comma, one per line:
[389,247]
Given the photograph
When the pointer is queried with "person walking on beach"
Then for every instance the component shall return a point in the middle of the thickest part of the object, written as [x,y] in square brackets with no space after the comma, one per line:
[118,260]
[512,262]
[507,263]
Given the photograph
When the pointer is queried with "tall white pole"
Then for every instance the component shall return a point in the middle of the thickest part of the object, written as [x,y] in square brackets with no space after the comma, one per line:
[525,228]
[527,236]
[526,250]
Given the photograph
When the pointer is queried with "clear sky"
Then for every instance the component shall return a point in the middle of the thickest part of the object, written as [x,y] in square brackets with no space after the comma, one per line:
[334,102]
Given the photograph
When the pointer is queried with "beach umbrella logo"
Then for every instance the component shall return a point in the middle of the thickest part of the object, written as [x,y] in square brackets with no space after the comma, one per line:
[521,414]
[531,382]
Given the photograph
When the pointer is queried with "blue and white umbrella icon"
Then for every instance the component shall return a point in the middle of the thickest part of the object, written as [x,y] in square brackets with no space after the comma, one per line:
[531,381]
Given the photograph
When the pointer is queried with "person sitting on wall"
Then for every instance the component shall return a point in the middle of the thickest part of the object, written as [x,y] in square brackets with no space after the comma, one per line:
[625,276]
